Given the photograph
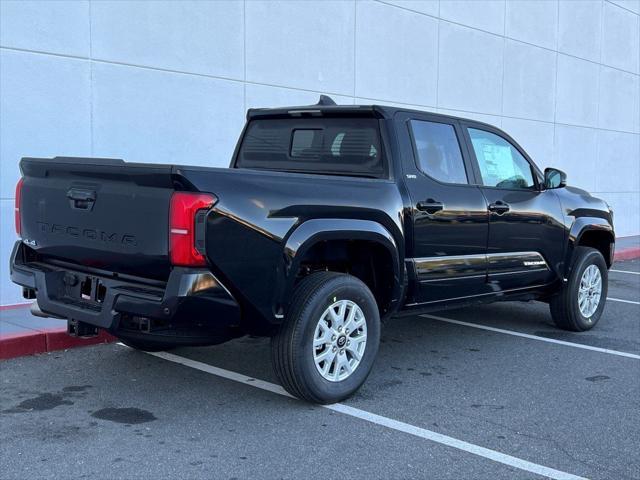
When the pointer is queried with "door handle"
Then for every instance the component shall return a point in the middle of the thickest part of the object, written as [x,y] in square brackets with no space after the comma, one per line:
[499,207]
[430,206]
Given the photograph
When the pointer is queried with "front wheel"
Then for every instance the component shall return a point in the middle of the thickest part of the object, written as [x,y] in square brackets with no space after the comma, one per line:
[325,349]
[580,304]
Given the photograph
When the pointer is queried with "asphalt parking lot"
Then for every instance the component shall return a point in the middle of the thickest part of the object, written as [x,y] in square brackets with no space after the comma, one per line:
[490,392]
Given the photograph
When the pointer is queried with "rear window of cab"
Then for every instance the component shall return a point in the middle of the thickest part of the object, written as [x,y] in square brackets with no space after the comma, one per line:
[334,146]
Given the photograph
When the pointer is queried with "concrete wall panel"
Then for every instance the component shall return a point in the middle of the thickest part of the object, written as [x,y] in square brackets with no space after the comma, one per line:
[533,21]
[153,116]
[60,27]
[195,37]
[485,15]
[45,110]
[470,70]
[391,66]
[301,44]
[157,81]
[529,82]
[577,100]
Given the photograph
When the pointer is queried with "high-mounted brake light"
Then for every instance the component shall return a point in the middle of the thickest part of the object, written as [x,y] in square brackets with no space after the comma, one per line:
[183,230]
[18,199]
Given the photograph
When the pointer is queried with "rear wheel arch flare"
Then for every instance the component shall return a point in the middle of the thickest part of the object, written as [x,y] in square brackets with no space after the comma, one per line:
[360,247]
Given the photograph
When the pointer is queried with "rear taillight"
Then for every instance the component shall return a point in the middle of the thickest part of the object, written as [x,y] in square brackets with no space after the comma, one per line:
[18,219]
[184,209]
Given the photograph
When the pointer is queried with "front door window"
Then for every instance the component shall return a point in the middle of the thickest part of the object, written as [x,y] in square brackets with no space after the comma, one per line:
[501,164]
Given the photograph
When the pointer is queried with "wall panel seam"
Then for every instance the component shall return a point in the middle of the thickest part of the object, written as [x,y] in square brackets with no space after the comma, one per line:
[621,7]
[355,46]
[244,56]
[215,77]
[91,124]
[506,36]
[115,62]
[555,87]
[504,54]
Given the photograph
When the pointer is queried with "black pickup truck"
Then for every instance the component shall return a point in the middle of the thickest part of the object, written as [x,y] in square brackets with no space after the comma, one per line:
[329,219]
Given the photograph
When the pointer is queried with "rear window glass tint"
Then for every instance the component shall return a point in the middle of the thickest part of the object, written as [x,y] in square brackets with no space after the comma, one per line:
[328,145]
[306,142]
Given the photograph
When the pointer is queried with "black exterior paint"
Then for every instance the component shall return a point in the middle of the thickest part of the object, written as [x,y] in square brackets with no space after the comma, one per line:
[460,229]
[264,222]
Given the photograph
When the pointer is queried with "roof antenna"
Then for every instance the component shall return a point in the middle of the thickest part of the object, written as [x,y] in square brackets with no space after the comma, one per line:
[325,100]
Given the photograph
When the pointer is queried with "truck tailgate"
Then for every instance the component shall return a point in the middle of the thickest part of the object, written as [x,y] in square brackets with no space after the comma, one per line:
[99,213]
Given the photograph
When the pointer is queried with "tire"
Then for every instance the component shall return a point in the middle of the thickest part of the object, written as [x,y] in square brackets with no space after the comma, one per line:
[293,353]
[146,346]
[565,308]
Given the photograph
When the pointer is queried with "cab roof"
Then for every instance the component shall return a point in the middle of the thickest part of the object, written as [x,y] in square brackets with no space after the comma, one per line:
[327,107]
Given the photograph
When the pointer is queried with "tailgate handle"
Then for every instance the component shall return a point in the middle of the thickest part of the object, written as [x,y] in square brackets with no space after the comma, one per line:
[81,198]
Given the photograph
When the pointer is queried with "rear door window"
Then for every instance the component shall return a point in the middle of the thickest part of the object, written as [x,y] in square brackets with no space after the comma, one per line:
[348,146]
[438,151]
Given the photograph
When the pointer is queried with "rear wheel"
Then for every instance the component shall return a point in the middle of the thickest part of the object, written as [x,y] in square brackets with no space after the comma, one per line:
[580,304]
[326,347]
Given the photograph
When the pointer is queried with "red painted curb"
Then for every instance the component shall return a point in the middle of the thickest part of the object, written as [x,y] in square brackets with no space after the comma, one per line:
[17,345]
[627,254]
[42,341]
[11,306]
[60,340]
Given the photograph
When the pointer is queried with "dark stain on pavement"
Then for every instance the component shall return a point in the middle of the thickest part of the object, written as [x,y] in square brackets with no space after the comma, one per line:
[44,401]
[76,388]
[124,415]
[48,401]
[391,383]
[491,407]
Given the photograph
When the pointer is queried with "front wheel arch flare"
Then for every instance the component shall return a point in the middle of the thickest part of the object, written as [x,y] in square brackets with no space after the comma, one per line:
[580,230]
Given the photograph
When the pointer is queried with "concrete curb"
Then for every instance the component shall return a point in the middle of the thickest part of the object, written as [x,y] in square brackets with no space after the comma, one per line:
[43,340]
[627,254]
[21,344]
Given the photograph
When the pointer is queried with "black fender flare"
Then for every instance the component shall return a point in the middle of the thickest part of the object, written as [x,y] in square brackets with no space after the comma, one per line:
[312,231]
[580,226]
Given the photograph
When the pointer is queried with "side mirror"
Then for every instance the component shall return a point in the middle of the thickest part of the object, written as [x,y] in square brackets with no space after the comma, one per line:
[554,178]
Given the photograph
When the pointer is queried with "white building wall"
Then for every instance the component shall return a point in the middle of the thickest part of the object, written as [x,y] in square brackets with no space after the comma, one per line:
[171,81]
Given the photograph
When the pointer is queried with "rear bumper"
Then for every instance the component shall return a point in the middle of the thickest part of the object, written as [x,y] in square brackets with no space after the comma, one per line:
[191,307]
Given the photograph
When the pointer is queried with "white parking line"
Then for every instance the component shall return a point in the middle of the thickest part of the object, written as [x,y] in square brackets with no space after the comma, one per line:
[625,271]
[534,337]
[379,420]
[623,301]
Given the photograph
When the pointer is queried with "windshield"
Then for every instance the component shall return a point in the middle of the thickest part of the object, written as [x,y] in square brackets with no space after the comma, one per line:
[338,146]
